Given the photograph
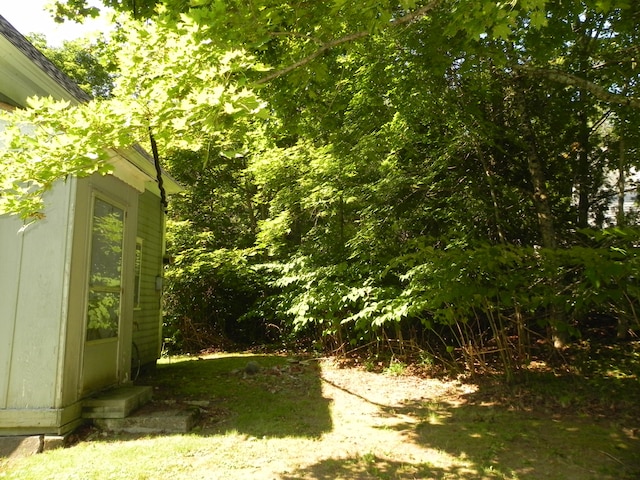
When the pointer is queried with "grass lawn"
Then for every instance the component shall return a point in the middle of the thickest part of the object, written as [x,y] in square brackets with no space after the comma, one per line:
[316,419]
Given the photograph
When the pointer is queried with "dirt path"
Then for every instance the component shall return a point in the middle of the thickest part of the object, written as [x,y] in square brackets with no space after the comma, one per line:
[375,416]
[408,427]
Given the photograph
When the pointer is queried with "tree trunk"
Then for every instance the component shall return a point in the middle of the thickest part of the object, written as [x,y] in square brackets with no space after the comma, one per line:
[623,323]
[248,196]
[548,235]
[494,196]
[541,201]
[622,171]
[584,185]
[545,218]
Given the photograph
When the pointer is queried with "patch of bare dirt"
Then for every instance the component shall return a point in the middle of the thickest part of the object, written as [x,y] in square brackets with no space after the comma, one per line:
[405,426]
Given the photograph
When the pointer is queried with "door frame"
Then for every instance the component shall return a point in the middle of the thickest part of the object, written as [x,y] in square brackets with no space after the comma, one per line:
[123,196]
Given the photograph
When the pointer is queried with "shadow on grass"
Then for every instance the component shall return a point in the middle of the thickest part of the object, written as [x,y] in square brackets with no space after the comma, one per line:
[374,467]
[502,443]
[548,426]
[282,399]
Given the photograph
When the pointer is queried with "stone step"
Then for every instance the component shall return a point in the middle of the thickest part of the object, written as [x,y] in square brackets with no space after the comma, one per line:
[152,420]
[116,403]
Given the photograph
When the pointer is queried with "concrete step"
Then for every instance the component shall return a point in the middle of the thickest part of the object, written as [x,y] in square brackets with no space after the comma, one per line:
[116,403]
[152,419]
[19,446]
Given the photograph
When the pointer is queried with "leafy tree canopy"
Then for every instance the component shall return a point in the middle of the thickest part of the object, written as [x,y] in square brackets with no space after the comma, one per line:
[189,70]
[167,83]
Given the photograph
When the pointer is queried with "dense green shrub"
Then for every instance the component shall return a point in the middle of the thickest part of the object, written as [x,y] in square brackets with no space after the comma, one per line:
[208,291]
[477,303]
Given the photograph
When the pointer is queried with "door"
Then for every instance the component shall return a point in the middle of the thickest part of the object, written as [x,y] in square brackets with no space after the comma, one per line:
[104,302]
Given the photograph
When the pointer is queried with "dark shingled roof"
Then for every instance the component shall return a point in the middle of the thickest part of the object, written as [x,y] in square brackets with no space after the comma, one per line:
[21,43]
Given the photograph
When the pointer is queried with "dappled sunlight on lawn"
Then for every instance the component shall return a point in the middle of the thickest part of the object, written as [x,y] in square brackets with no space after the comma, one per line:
[299,418]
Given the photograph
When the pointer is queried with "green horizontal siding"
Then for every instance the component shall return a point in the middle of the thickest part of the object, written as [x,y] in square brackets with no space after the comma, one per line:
[147,320]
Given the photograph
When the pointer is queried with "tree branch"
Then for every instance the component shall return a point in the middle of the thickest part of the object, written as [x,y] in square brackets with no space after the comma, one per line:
[297,35]
[571,80]
[417,14]
[409,17]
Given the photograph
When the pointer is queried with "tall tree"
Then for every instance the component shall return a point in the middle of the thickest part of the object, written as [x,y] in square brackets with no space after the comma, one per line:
[87,62]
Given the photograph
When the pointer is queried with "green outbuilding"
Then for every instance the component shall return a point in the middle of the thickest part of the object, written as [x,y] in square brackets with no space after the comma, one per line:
[80,290]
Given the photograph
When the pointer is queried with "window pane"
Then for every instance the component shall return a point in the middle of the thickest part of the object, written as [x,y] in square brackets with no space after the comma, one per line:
[103,314]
